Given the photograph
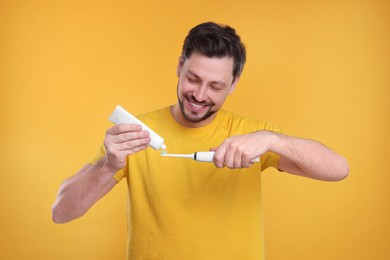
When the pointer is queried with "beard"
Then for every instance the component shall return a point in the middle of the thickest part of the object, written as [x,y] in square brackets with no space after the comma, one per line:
[194,116]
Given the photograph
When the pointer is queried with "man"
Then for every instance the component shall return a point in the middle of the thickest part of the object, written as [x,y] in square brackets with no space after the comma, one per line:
[183,209]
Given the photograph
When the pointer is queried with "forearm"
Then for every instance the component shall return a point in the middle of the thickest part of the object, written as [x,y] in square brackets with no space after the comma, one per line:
[78,193]
[309,158]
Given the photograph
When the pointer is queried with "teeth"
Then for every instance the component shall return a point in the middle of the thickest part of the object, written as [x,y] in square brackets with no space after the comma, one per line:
[196,105]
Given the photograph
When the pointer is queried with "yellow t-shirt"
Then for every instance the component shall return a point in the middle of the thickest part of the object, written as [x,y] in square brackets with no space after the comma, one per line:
[183,209]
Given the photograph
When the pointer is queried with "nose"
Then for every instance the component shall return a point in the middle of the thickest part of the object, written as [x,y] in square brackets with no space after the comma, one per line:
[200,94]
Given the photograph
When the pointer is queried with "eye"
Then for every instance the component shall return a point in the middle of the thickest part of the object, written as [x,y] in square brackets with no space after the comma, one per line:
[192,79]
[216,87]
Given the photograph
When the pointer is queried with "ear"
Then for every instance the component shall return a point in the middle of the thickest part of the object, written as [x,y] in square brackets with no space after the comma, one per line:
[179,65]
[234,84]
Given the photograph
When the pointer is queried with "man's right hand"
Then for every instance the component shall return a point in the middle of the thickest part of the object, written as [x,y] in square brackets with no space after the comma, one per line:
[123,140]
[78,193]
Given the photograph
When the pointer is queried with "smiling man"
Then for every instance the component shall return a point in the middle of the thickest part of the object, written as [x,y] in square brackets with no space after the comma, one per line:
[204,84]
[183,209]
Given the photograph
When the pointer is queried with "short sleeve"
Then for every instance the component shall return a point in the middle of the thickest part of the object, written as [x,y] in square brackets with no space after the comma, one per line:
[269,159]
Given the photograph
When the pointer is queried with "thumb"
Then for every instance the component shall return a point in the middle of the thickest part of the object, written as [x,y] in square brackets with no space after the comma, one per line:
[218,162]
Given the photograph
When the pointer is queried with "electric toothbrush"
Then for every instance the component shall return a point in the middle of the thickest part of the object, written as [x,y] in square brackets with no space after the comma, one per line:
[198,156]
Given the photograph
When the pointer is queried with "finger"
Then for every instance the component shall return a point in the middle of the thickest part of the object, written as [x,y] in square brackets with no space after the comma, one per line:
[237,160]
[117,158]
[219,157]
[140,148]
[129,136]
[123,128]
[245,162]
[132,145]
[229,157]
[133,150]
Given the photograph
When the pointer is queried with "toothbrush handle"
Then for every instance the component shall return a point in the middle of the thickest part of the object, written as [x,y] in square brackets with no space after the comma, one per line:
[204,156]
[209,156]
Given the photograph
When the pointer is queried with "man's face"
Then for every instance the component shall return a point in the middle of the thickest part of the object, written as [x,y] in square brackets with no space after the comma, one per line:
[203,86]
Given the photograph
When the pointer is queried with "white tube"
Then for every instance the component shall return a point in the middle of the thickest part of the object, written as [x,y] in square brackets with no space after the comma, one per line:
[121,116]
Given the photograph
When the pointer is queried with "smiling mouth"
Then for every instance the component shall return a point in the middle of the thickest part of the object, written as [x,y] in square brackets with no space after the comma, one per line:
[196,105]
[195,112]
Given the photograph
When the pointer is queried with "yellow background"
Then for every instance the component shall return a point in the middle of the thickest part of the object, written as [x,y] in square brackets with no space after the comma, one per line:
[317,69]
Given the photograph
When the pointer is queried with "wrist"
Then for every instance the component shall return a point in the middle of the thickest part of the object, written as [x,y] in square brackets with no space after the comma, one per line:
[276,142]
[104,168]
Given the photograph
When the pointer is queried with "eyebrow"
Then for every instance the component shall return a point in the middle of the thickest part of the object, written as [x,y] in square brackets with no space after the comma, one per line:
[212,82]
